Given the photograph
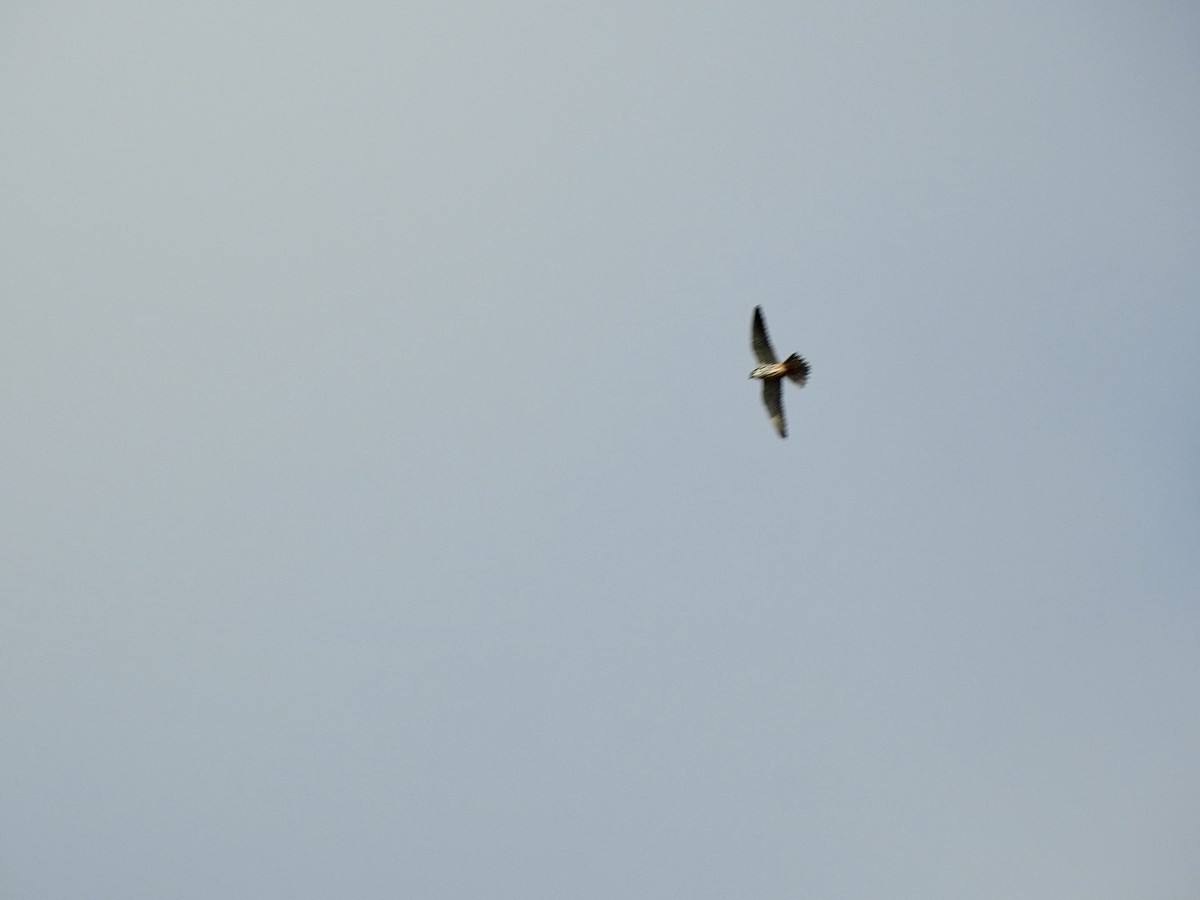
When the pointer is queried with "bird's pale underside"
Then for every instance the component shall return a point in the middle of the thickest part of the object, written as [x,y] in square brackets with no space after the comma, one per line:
[773,372]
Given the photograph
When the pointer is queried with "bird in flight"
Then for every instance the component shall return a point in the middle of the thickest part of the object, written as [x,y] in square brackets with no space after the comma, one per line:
[772,373]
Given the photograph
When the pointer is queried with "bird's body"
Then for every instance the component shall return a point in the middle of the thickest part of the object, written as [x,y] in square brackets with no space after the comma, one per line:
[772,372]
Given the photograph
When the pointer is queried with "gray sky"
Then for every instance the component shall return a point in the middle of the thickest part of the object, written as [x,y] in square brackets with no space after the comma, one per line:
[387,512]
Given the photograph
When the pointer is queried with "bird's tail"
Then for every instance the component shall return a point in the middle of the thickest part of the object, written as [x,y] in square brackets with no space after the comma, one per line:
[797,369]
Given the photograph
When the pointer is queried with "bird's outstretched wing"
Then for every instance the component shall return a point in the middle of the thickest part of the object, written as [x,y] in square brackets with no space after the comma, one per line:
[759,342]
[773,400]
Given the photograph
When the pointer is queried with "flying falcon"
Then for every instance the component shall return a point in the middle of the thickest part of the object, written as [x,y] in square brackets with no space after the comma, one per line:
[772,372]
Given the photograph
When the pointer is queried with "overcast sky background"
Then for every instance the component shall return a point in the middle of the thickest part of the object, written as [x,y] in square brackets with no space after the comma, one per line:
[387,512]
